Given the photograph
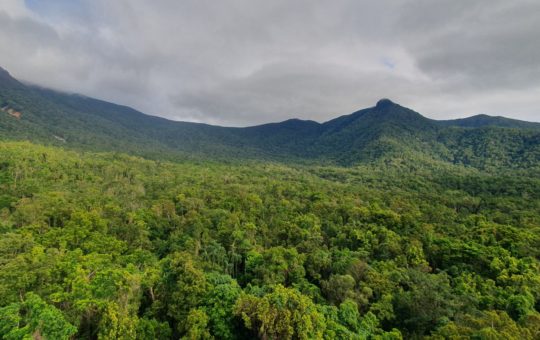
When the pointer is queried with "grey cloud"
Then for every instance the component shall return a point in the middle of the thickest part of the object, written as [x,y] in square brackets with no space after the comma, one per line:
[485,45]
[240,62]
[281,91]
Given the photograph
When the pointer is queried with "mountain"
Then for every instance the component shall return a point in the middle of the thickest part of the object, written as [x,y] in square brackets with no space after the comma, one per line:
[485,120]
[384,131]
[7,81]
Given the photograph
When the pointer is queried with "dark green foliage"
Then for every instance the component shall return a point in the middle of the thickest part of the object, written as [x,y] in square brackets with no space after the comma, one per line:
[386,131]
[485,120]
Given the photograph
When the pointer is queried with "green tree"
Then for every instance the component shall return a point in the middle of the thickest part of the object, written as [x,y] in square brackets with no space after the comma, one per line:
[34,319]
[283,313]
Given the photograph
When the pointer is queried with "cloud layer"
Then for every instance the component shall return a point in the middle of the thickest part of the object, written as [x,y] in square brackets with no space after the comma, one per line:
[244,62]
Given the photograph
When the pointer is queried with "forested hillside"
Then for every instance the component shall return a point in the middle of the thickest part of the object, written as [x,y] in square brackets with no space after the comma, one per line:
[110,246]
[386,130]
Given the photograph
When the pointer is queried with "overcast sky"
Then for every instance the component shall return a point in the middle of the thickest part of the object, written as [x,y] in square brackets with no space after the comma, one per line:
[245,62]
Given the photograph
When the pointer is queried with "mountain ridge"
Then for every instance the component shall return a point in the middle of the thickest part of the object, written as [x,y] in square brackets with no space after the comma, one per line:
[384,130]
[380,105]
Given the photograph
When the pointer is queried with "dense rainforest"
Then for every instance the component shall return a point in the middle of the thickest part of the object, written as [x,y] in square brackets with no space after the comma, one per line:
[380,224]
[112,246]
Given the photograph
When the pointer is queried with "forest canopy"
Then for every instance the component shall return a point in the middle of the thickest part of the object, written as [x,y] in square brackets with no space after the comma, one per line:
[111,246]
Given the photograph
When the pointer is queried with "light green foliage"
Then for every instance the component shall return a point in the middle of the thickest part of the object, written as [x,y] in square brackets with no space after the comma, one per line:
[183,288]
[34,319]
[283,313]
[116,324]
[276,265]
[112,246]
[489,325]
[197,326]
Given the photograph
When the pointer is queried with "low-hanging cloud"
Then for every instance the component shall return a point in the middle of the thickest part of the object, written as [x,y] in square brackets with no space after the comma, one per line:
[243,62]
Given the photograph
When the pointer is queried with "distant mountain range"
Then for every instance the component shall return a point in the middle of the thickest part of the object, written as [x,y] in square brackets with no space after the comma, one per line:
[385,131]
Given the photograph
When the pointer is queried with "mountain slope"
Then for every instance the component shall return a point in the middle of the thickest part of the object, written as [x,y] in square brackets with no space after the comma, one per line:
[485,120]
[374,132]
[386,130]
